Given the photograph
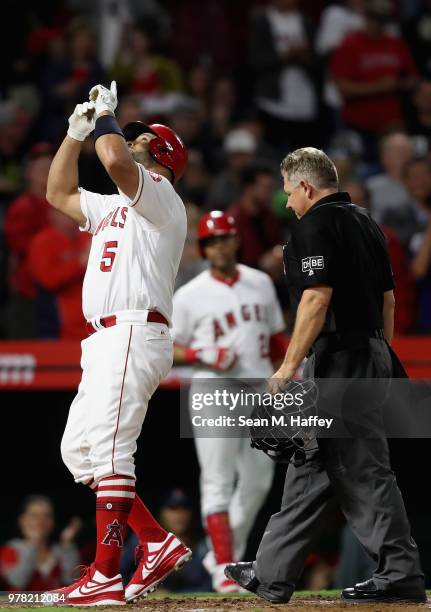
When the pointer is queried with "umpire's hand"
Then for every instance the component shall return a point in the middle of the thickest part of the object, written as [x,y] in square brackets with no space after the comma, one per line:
[280,380]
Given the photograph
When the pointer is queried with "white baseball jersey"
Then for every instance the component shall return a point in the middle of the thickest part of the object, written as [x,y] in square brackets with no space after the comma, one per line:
[242,315]
[136,247]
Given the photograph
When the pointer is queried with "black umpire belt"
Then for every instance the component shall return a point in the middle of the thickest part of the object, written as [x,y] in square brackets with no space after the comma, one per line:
[336,341]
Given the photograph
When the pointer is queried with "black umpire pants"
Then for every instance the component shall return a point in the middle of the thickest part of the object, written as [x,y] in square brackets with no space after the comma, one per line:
[353,471]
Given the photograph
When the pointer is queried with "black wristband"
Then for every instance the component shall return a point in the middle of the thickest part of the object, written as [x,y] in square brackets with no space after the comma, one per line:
[107,124]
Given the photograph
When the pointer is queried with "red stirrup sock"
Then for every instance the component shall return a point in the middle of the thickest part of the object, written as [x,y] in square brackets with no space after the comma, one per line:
[219,531]
[144,524]
[114,501]
[141,521]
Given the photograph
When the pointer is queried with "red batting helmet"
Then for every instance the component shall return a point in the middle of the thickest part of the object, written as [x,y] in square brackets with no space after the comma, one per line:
[167,149]
[215,223]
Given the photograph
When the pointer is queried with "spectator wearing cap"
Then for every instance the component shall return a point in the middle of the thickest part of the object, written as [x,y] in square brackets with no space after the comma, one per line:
[264,151]
[25,217]
[372,69]
[239,148]
[57,259]
[258,227]
[176,515]
[285,74]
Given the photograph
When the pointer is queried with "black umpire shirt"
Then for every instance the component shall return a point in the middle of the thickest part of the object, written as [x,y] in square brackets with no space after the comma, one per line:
[337,244]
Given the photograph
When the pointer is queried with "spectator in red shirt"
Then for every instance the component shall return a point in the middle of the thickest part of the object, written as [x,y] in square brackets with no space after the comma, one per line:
[25,217]
[57,259]
[258,227]
[405,289]
[371,69]
[31,562]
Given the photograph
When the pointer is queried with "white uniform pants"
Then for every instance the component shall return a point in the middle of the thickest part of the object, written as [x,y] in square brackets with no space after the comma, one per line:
[122,367]
[234,478]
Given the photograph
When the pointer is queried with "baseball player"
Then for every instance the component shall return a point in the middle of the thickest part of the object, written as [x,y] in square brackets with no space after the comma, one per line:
[137,241]
[227,322]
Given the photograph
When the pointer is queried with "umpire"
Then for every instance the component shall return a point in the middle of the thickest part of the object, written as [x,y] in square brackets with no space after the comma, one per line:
[338,266]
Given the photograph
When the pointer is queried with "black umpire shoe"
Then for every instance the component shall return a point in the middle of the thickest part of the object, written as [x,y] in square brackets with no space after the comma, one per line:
[368,591]
[243,574]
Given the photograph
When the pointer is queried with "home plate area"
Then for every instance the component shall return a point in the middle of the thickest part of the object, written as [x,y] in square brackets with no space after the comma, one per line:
[243,603]
[205,602]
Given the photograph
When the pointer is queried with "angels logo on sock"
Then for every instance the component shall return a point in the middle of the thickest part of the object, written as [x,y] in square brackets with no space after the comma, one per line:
[310,264]
[114,534]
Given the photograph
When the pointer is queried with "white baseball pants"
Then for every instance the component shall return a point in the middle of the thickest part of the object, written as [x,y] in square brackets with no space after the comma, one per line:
[122,367]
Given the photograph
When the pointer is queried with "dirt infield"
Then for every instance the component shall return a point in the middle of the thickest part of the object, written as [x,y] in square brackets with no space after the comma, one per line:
[312,603]
[255,604]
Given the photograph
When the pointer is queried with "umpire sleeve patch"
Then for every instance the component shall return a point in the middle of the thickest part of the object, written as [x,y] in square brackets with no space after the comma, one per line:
[312,264]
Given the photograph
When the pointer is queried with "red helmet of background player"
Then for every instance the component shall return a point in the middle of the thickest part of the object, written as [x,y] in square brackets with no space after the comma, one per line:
[215,223]
[167,149]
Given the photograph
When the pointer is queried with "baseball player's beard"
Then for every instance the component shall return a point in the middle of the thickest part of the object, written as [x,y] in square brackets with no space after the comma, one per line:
[144,158]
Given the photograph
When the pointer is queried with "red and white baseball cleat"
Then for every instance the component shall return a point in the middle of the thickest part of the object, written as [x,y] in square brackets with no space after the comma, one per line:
[91,589]
[156,560]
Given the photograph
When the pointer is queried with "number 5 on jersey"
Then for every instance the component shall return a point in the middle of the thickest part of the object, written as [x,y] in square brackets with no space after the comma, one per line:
[109,254]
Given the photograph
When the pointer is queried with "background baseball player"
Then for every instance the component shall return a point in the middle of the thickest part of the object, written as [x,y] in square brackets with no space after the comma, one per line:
[228,323]
[138,238]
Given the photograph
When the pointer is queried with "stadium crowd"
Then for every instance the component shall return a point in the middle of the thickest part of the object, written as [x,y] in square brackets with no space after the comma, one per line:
[242,83]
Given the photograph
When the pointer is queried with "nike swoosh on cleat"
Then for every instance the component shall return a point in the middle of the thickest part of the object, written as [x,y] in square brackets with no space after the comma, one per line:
[150,563]
[86,590]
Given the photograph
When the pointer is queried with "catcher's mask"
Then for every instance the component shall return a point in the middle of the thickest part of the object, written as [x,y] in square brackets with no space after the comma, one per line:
[284,443]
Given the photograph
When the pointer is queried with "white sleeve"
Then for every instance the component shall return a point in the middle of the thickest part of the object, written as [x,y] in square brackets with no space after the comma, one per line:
[275,316]
[155,198]
[182,327]
[94,207]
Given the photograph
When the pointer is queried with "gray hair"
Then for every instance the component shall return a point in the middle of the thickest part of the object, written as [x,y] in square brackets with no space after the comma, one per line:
[312,165]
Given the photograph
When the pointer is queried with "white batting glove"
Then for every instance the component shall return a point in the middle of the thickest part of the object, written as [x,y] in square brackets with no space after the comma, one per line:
[82,121]
[219,358]
[104,99]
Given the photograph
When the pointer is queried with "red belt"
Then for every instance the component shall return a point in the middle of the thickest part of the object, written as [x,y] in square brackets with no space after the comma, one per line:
[153,317]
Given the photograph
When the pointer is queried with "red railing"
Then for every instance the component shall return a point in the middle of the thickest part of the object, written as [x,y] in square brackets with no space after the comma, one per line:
[55,364]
